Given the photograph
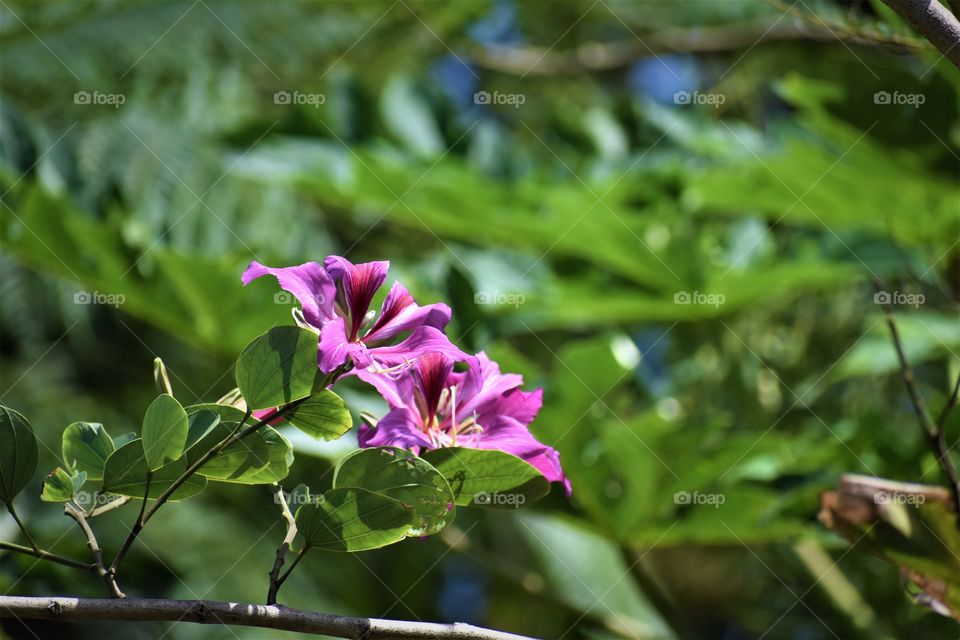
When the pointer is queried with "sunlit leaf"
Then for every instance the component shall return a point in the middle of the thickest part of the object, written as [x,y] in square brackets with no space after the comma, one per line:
[353,520]
[486,478]
[278,367]
[164,434]
[322,416]
[85,447]
[126,472]
[400,474]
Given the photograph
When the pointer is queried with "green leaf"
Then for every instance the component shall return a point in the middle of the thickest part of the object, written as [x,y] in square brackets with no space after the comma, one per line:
[226,412]
[486,478]
[322,416]
[58,486]
[279,367]
[165,428]
[239,461]
[351,519]
[126,473]
[201,422]
[18,453]
[403,476]
[279,459]
[85,447]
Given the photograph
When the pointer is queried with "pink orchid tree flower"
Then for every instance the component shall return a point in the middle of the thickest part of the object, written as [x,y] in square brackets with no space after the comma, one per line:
[432,405]
[335,301]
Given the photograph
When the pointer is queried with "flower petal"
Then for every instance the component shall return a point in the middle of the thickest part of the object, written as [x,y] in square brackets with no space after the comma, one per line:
[422,340]
[359,283]
[399,428]
[400,313]
[309,283]
[334,346]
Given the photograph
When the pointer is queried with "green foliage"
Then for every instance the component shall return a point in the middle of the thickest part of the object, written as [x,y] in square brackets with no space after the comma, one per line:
[278,367]
[352,519]
[85,448]
[322,416]
[18,453]
[127,473]
[399,474]
[164,434]
[58,486]
[487,478]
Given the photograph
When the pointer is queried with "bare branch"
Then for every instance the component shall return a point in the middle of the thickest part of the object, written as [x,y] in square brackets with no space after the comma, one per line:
[934,22]
[106,575]
[275,580]
[936,437]
[46,555]
[233,613]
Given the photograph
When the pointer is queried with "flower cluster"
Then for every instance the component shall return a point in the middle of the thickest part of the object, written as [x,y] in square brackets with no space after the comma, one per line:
[404,354]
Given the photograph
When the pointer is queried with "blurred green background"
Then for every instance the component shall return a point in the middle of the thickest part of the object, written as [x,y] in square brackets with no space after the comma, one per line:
[666,214]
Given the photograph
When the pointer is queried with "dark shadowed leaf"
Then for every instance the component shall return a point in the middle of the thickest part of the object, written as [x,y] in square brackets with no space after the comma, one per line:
[18,453]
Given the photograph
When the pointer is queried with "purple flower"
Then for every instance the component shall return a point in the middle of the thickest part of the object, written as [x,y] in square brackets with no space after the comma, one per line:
[432,406]
[335,301]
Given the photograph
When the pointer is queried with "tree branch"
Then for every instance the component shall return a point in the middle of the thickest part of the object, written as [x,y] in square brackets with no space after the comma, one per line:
[106,575]
[934,22]
[46,555]
[934,431]
[275,580]
[232,613]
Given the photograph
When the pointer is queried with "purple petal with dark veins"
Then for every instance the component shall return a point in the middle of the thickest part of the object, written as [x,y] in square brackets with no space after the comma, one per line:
[309,283]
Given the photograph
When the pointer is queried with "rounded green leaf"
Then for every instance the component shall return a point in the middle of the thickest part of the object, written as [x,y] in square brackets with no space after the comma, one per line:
[279,459]
[279,367]
[351,519]
[18,453]
[165,428]
[226,412]
[487,478]
[58,486]
[405,477]
[236,463]
[322,416]
[201,422]
[126,471]
[85,447]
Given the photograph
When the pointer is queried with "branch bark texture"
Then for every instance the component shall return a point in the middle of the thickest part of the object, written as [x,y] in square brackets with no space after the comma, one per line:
[233,613]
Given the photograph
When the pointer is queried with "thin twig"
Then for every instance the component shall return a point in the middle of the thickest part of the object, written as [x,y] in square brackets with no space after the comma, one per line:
[233,613]
[23,528]
[192,469]
[275,580]
[134,532]
[110,506]
[934,431]
[46,555]
[108,578]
